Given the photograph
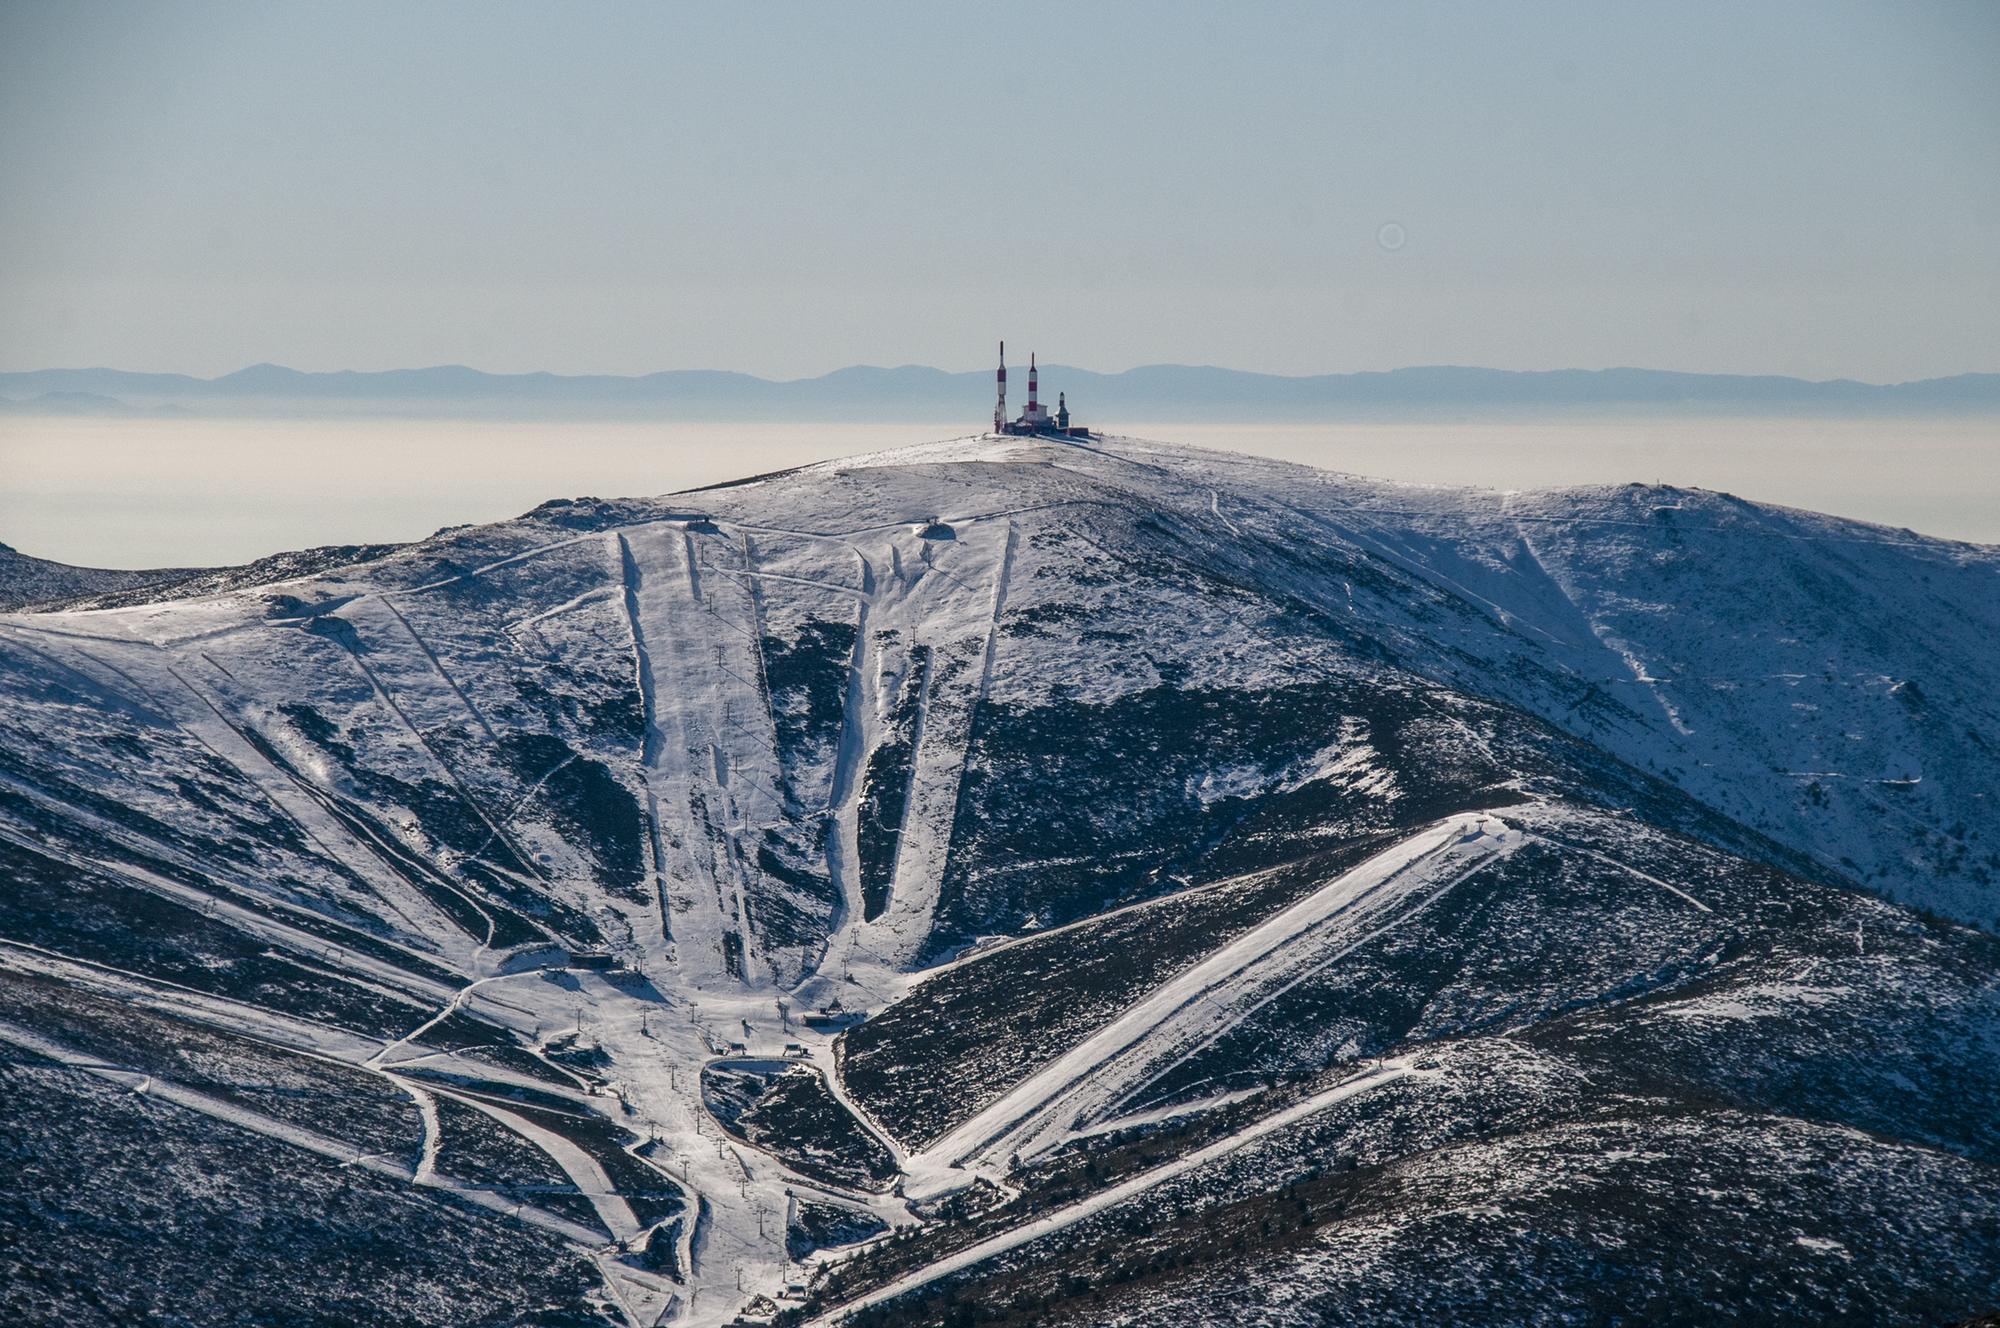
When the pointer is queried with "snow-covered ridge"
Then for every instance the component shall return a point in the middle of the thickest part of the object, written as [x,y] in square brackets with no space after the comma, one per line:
[526,824]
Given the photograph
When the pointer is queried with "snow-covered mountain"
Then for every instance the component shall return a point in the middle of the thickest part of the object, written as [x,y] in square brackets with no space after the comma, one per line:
[1022,881]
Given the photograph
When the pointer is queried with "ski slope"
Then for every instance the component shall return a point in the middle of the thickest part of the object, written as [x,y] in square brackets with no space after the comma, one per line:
[579,804]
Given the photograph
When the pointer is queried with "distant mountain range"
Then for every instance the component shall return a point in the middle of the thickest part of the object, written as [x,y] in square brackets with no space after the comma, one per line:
[1151,392]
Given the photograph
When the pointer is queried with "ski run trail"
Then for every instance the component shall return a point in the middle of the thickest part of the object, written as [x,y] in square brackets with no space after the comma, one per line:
[690,598]
[1094,1078]
[1386,1072]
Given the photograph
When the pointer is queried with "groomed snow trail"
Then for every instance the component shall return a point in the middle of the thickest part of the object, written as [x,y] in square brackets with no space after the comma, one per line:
[1047,1107]
[710,755]
[162,1090]
[1386,1072]
[948,601]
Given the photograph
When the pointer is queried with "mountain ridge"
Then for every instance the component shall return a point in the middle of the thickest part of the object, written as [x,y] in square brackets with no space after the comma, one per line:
[907,391]
[1020,881]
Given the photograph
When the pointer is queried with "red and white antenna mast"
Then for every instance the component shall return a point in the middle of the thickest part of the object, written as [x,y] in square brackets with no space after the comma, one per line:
[1000,407]
[1034,401]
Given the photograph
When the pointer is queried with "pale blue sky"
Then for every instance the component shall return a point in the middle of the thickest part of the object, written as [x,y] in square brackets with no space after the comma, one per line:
[1791,188]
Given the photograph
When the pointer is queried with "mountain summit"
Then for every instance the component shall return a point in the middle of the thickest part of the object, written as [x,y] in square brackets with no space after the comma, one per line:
[1016,880]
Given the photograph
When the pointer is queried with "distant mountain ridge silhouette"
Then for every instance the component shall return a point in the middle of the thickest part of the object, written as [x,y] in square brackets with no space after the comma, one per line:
[921,392]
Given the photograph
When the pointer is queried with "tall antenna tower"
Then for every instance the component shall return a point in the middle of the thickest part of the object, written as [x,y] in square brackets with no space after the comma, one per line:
[1000,408]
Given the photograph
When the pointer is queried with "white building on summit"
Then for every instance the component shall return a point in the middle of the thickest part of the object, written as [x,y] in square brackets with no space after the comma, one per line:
[1036,419]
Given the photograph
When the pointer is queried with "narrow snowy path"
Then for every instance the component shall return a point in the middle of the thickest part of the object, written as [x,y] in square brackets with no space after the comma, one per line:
[1041,1110]
[843,852]
[1215,506]
[291,939]
[698,710]
[162,1090]
[284,1032]
[581,1167]
[1386,1072]
[450,1008]
[949,602]
[199,706]
[1629,870]
[406,695]
[437,667]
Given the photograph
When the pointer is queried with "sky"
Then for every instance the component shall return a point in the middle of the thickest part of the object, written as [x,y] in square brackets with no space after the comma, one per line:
[1795,188]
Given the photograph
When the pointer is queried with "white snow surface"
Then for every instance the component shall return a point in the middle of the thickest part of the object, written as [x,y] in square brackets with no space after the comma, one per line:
[1831,684]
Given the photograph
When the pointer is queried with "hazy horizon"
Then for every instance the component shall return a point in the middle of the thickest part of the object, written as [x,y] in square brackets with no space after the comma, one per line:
[142,493]
[1295,190]
[1790,188]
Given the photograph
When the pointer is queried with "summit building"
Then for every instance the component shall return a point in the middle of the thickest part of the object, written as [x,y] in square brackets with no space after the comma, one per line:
[1036,419]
